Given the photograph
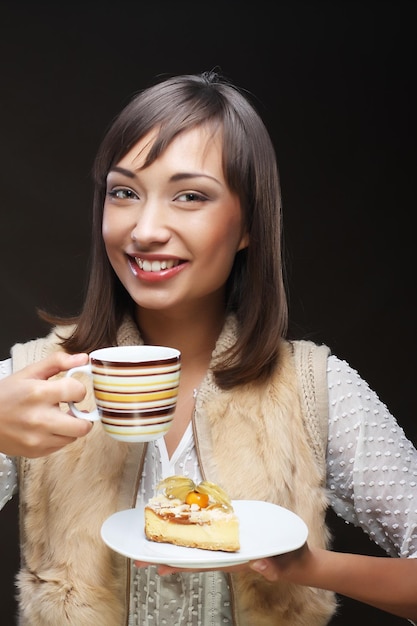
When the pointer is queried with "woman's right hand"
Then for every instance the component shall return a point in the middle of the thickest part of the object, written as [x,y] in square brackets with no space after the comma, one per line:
[31,421]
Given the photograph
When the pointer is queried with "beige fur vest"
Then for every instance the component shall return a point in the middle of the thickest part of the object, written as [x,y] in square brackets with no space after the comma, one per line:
[259,442]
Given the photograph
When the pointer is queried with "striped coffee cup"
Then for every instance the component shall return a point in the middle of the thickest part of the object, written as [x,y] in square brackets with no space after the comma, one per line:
[135,390]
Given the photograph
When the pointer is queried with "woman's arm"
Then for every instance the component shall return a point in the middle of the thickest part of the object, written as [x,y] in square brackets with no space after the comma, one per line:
[31,422]
[386,583]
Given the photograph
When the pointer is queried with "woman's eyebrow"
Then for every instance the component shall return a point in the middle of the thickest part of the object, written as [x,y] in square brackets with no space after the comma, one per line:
[185,175]
[122,170]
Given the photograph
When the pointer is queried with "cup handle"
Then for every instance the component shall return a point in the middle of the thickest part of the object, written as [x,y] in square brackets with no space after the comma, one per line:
[93,416]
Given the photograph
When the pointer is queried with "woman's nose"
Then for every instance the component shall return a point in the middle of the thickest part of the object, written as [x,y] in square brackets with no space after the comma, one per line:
[151,224]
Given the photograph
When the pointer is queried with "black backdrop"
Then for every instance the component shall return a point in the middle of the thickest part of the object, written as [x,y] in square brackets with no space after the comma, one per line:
[334,83]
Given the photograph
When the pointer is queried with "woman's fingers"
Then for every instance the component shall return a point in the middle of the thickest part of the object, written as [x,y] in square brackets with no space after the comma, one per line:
[31,420]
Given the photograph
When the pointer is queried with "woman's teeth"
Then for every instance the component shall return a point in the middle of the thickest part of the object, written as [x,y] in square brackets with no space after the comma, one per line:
[155,266]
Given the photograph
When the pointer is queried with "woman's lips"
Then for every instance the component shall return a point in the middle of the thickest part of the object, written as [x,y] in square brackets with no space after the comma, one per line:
[155,270]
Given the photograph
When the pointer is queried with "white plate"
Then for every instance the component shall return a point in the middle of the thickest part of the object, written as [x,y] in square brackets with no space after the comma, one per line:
[265,529]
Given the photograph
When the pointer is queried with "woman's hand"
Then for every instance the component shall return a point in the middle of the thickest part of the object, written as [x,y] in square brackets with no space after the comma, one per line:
[270,568]
[31,422]
[389,584]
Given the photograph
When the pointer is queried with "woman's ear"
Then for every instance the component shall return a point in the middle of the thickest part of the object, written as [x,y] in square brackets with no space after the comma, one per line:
[244,242]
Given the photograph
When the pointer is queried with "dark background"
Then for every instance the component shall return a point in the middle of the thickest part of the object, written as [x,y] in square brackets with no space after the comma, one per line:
[334,82]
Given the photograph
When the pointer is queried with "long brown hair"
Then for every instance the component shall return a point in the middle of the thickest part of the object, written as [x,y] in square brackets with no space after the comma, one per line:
[255,289]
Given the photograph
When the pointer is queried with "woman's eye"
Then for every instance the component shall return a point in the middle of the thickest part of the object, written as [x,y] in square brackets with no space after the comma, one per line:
[190,196]
[122,194]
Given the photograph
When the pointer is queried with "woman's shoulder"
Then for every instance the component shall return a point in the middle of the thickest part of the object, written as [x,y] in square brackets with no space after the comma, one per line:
[308,349]
[5,368]
[311,363]
[36,349]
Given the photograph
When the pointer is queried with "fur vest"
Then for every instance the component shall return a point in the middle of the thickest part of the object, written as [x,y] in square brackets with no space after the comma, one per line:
[264,442]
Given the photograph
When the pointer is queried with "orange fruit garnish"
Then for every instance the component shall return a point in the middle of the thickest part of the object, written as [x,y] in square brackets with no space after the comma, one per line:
[195,497]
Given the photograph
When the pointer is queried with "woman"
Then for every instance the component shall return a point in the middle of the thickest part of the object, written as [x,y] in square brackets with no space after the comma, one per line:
[186,252]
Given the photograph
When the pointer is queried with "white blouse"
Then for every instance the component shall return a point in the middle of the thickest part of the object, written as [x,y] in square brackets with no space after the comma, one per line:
[371,479]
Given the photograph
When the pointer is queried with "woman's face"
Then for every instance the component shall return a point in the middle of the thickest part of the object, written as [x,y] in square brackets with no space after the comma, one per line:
[172,230]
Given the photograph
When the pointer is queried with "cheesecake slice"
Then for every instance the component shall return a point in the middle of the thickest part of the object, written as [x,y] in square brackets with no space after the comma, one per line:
[190,515]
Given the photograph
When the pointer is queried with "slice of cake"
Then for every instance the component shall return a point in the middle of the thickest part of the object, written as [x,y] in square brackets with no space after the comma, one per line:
[190,515]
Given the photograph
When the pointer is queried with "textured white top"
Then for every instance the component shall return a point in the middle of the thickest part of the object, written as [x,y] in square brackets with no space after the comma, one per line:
[371,478]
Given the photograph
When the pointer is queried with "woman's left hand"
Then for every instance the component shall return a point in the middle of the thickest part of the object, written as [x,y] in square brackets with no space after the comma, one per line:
[386,583]
[271,568]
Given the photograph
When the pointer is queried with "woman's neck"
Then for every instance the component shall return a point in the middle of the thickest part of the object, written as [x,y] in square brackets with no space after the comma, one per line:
[194,335]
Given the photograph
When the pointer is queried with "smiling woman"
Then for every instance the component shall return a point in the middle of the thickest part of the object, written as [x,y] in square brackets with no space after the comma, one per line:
[186,252]
[187,220]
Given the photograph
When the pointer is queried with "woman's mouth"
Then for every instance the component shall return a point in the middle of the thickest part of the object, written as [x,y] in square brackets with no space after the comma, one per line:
[155,265]
[156,270]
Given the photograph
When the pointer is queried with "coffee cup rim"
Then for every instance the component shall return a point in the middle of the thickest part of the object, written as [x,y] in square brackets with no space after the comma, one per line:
[142,353]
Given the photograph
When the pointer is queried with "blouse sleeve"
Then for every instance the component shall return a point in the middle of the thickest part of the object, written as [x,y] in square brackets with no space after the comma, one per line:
[371,465]
[8,472]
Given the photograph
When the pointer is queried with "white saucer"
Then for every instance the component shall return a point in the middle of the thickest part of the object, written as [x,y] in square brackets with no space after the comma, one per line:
[265,529]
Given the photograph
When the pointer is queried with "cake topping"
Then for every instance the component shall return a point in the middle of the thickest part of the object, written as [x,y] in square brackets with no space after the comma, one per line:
[204,494]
